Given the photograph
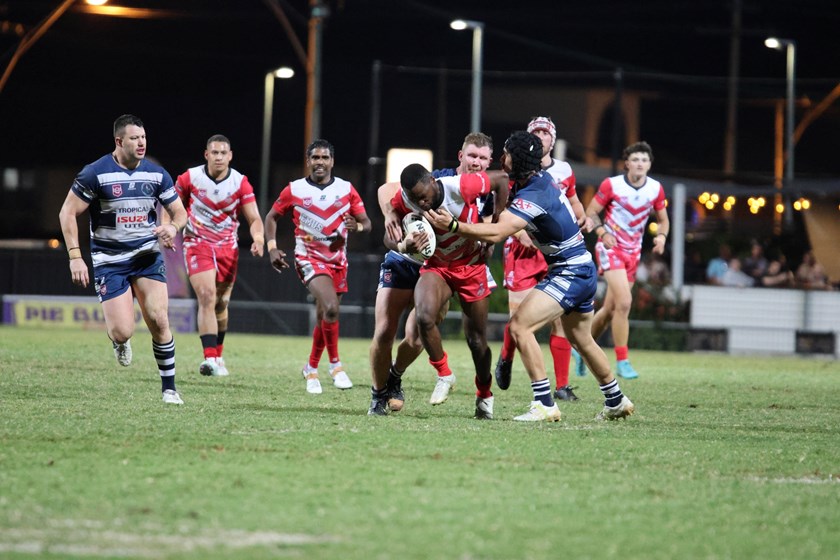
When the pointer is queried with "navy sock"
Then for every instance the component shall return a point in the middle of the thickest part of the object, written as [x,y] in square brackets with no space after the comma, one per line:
[612,393]
[542,392]
[165,358]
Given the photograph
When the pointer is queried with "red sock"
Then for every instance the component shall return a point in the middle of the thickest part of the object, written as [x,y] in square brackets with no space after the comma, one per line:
[621,353]
[330,331]
[508,345]
[483,390]
[441,366]
[317,346]
[219,349]
[561,352]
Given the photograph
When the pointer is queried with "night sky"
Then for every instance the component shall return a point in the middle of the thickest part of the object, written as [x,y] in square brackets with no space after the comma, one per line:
[199,70]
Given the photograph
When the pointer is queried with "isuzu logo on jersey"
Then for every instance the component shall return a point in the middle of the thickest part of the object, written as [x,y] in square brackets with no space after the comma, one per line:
[133,219]
[116,190]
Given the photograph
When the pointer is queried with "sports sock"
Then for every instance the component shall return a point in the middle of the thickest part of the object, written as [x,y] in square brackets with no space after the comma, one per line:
[621,353]
[220,344]
[165,358]
[561,352]
[317,346]
[612,393]
[542,392]
[508,345]
[379,394]
[395,372]
[210,344]
[330,331]
[482,390]
[441,366]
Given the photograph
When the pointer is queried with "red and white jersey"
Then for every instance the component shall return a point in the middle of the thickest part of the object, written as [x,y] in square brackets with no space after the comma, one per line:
[460,198]
[563,175]
[213,206]
[318,214]
[628,208]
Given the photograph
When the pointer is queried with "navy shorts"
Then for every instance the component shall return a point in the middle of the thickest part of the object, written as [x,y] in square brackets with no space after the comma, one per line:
[112,280]
[573,286]
[398,272]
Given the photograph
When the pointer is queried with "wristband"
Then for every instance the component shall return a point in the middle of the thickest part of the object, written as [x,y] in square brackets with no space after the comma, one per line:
[603,232]
[259,239]
[272,244]
[453,226]
[359,226]
[665,235]
[74,253]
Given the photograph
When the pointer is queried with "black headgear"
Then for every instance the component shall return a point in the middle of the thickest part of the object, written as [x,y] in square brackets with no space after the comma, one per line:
[526,152]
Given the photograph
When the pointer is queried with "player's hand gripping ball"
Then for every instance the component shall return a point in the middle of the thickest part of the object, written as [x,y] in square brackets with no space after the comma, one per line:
[416,222]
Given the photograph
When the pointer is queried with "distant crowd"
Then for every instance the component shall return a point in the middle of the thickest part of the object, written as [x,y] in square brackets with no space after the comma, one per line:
[755,269]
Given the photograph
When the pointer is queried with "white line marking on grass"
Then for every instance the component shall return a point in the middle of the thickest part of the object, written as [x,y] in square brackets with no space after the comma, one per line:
[801,480]
[92,541]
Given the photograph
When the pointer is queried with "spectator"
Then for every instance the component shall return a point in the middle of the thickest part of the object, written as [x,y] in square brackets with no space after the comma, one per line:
[777,275]
[735,277]
[755,264]
[811,275]
[718,266]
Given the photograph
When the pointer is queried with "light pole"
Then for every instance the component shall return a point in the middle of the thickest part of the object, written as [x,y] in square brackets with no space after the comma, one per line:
[478,44]
[790,46]
[268,106]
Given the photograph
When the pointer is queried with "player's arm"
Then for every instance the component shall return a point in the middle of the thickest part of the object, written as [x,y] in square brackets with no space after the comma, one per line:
[508,224]
[593,218]
[357,223]
[255,227]
[577,208]
[275,255]
[662,234]
[393,227]
[72,208]
[169,228]
[500,185]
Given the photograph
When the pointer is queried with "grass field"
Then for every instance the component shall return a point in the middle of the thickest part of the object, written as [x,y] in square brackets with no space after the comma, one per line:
[726,457]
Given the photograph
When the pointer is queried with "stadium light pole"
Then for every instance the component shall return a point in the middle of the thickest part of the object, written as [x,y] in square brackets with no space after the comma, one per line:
[283,72]
[789,46]
[477,48]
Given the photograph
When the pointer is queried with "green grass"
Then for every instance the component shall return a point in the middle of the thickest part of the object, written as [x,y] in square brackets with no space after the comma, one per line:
[726,457]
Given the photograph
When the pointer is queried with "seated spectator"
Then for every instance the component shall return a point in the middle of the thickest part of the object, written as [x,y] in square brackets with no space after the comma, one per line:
[755,264]
[718,266]
[810,275]
[777,275]
[735,277]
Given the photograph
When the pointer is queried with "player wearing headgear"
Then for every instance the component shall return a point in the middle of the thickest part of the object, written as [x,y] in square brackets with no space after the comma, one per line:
[627,201]
[456,268]
[524,266]
[567,290]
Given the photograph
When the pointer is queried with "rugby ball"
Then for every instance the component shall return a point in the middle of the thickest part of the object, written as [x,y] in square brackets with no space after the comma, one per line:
[416,222]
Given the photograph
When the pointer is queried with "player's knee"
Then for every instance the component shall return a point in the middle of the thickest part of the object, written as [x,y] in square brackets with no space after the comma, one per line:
[221,314]
[476,343]
[622,306]
[426,319]
[330,313]
[121,333]
[206,295]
